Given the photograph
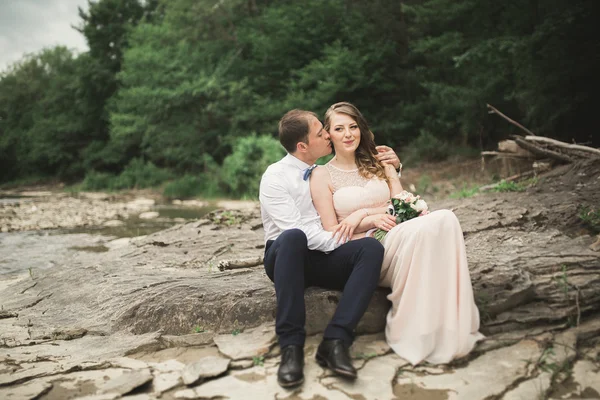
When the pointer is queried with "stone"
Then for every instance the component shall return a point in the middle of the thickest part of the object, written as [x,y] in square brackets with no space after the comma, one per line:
[141,202]
[117,243]
[127,362]
[558,356]
[586,376]
[369,346]
[237,204]
[126,382]
[486,376]
[247,384]
[113,222]
[149,215]
[68,333]
[373,380]
[207,367]
[166,381]
[8,314]
[190,340]
[26,391]
[167,366]
[194,203]
[241,364]
[248,344]
[103,396]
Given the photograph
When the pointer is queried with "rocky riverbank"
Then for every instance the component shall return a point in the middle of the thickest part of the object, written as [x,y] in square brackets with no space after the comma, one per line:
[187,312]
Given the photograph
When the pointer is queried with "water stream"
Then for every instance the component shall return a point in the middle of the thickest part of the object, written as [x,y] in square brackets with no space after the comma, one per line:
[29,251]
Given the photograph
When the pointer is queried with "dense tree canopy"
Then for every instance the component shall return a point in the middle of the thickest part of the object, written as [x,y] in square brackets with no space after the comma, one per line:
[178,84]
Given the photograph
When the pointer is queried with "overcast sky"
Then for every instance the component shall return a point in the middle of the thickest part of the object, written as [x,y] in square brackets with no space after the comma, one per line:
[27,26]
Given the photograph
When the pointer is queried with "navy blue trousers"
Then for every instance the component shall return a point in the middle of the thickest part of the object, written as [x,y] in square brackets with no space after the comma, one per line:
[352,268]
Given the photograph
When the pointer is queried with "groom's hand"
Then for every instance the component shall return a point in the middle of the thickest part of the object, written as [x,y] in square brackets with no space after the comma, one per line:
[386,155]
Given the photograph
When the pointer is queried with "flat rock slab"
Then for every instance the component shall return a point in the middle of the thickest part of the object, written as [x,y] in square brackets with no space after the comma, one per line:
[251,343]
[207,367]
[166,381]
[126,382]
[485,377]
[27,391]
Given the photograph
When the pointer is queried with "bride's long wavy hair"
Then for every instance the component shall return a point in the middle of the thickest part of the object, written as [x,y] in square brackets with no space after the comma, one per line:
[368,165]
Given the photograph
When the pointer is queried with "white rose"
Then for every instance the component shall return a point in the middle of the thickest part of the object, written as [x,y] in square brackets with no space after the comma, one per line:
[403,195]
[419,205]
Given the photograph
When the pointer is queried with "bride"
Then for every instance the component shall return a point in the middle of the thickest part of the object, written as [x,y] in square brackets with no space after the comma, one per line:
[433,316]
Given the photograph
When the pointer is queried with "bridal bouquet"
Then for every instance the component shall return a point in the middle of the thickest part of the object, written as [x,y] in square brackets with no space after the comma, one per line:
[403,206]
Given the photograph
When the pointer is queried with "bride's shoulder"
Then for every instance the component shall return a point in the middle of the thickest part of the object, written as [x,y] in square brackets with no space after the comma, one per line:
[321,173]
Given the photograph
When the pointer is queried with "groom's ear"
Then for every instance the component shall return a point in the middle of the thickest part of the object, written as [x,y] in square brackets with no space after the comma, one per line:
[301,147]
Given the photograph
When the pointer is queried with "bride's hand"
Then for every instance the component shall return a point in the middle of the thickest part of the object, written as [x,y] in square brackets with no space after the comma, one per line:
[345,229]
[383,221]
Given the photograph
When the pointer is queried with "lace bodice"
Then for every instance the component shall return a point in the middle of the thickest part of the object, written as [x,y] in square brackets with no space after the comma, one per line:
[341,178]
[352,191]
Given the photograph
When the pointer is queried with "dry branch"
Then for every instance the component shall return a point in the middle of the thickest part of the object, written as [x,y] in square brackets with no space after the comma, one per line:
[562,145]
[241,263]
[541,151]
[494,110]
[504,154]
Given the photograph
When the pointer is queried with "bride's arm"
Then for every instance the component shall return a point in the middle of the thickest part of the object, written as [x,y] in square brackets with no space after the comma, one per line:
[321,192]
[322,197]
[393,179]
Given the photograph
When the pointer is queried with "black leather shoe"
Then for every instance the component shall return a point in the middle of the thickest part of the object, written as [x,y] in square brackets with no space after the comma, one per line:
[334,354]
[290,372]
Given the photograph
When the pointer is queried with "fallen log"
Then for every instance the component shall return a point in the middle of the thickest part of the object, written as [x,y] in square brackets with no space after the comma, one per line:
[542,151]
[563,145]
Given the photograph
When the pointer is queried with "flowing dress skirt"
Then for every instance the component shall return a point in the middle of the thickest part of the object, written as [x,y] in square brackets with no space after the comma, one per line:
[433,316]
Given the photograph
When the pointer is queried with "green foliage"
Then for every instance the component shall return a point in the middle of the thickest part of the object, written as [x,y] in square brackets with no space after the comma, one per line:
[465,193]
[137,174]
[403,210]
[181,83]
[512,186]
[199,329]
[504,186]
[243,169]
[258,360]
[97,181]
[590,217]
[189,186]
[426,147]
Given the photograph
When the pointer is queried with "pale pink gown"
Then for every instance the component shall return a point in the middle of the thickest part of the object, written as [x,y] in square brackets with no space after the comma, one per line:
[433,316]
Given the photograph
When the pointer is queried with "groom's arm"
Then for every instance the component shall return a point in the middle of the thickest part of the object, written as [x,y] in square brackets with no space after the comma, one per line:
[281,208]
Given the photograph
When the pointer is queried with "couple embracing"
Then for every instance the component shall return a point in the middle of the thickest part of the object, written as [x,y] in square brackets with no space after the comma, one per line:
[318,224]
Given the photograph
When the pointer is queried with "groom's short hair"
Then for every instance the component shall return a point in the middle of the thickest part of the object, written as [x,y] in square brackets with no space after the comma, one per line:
[294,128]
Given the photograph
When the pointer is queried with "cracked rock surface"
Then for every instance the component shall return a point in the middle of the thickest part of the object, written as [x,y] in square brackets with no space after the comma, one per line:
[154,317]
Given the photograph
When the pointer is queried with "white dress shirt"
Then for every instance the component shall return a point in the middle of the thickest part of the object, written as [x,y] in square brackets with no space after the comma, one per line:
[285,203]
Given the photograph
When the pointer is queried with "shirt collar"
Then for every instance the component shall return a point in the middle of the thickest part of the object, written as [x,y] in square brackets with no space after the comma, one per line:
[291,160]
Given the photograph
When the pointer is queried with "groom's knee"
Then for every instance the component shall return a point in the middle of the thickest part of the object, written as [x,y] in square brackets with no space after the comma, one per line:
[293,238]
[372,254]
[373,247]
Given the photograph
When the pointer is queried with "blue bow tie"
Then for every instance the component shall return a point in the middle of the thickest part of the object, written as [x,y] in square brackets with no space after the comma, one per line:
[308,171]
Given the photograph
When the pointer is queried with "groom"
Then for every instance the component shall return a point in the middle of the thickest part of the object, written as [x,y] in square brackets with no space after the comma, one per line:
[300,253]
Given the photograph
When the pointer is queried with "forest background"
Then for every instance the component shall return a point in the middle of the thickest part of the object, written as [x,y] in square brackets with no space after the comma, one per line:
[186,94]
